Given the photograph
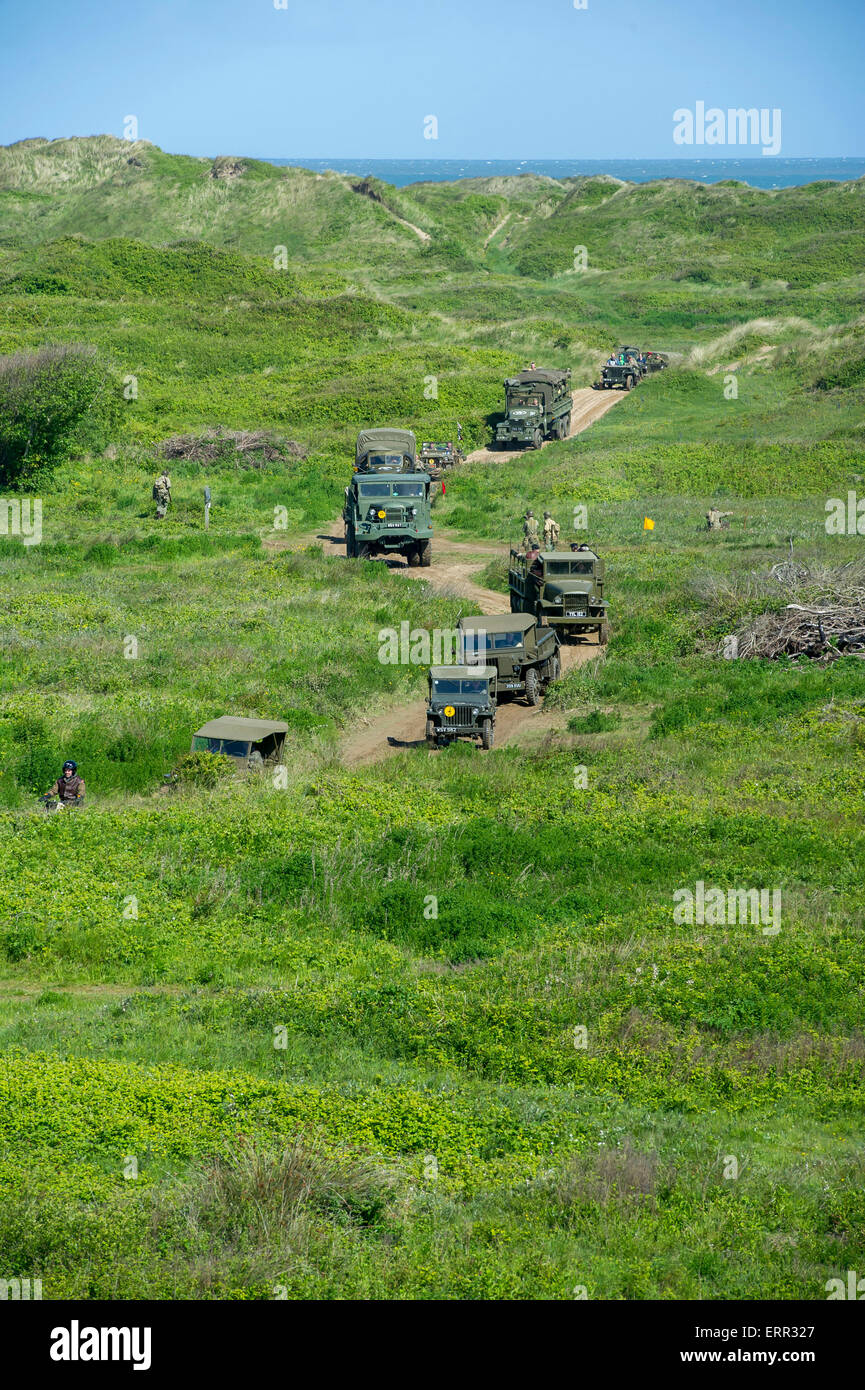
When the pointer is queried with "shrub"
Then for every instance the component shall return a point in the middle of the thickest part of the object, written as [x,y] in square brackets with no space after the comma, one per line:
[52,402]
[203,769]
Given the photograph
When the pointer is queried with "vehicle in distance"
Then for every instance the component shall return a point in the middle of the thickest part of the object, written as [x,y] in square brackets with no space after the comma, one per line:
[537,407]
[251,743]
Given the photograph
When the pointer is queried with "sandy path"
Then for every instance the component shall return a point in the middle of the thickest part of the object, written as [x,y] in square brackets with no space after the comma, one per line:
[588,406]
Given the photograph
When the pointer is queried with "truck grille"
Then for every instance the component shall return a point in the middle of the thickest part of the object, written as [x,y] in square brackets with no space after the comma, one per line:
[574,607]
[395,514]
[462,715]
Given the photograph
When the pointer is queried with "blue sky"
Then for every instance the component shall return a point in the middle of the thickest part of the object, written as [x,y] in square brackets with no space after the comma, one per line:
[356,78]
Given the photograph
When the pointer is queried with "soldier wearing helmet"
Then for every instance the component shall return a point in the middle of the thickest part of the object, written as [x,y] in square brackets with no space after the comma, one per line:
[69,787]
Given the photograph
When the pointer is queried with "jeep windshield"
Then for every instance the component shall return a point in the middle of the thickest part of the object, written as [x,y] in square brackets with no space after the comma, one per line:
[453,687]
[231,747]
[569,567]
[408,489]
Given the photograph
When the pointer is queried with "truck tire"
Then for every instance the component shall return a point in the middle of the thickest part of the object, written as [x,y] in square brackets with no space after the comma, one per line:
[425,553]
[567,425]
[487,734]
[555,669]
[363,552]
[515,603]
[604,633]
[413,555]
[350,549]
[533,687]
[537,439]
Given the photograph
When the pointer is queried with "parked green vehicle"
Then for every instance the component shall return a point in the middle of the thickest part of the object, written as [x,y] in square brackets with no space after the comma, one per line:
[387,508]
[562,589]
[537,407]
[461,704]
[525,655]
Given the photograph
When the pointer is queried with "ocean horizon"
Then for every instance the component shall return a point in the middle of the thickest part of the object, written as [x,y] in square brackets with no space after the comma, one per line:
[765,172]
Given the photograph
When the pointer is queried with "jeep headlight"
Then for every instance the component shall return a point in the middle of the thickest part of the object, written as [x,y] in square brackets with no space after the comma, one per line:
[475,713]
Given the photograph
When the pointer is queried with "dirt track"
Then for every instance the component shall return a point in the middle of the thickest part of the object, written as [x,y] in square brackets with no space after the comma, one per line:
[451,574]
[588,406]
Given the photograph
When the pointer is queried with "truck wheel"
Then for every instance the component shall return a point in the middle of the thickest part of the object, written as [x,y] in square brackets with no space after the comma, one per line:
[363,552]
[566,426]
[537,439]
[425,553]
[533,687]
[555,669]
[413,556]
[487,734]
[604,633]
[515,603]
[349,543]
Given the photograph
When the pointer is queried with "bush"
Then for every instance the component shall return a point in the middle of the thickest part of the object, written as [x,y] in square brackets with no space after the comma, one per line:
[52,402]
[203,769]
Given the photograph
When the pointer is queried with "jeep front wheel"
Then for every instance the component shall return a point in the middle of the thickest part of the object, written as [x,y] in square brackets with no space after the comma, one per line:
[533,687]
[629,383]
[487,734]
[604,633]
[430,731]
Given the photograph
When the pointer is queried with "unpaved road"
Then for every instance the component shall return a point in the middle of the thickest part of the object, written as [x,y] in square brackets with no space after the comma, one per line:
[452,573]
[588,406]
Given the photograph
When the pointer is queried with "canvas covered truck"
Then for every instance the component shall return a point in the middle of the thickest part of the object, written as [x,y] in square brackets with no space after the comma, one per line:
[525,655]
[537,407]
[562,589]
[461,704]
[387,508]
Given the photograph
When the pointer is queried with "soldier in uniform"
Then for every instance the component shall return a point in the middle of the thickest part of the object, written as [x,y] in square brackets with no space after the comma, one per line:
[69,787]
[530,531]
[715,519]
[162,494]
[551,532]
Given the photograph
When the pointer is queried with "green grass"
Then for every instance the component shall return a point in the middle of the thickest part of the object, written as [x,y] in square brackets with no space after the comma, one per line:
[426,1028]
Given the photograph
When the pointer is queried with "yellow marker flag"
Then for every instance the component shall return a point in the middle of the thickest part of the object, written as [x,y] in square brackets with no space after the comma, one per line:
[648,524]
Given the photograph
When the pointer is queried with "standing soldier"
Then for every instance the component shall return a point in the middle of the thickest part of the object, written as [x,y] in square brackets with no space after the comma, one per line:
[162,494]
[714,519]
[530,532]
[551,532]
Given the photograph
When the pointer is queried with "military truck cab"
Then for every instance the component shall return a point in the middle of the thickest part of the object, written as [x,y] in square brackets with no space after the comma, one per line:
[251,743]
[526,656]
[537,407]
[388,502]
[461,704]
[562,589]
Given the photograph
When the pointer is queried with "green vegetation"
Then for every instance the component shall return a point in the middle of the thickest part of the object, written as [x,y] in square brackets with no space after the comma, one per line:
[241,1053]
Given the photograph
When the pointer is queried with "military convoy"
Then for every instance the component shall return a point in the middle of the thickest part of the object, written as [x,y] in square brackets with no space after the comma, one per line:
[629,367]
[562,589]
[537,407]
[387,508]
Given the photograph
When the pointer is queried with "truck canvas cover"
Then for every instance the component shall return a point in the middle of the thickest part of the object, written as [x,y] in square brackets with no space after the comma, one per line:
[385,441]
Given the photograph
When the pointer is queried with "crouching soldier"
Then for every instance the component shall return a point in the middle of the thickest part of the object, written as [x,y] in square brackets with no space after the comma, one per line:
[715,520]
[551,532]
[162,494]
[69,787]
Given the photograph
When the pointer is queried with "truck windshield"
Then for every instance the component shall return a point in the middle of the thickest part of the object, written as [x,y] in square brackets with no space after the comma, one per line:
[569,567]
[374,489]
[386,461]
[452,686]
[492,641]
[408,489]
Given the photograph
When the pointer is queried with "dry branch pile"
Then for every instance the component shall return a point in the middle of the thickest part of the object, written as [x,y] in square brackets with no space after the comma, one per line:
[250,448]
[825,618]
